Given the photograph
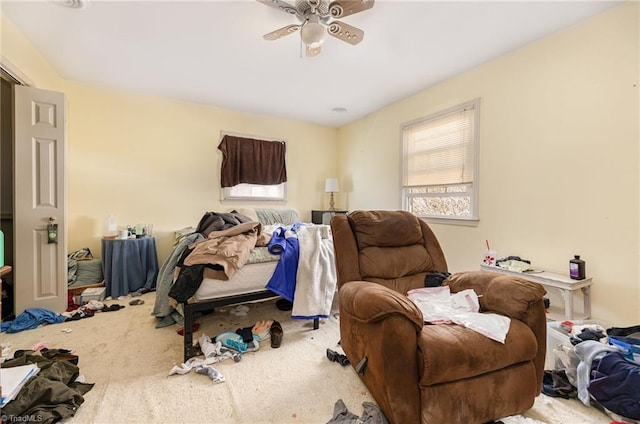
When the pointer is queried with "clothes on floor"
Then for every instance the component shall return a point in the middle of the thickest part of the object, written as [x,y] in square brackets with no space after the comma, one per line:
[371,414]
[200,366]
[234,341]
[624,331]
[216,351]
[213,352]
[555,383]
[615,384]
[31,318]
[604,375]
[48,397]
[588,351]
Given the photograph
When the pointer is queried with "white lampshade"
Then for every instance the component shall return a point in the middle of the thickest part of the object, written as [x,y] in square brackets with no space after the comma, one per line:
[331,185]
[313,34]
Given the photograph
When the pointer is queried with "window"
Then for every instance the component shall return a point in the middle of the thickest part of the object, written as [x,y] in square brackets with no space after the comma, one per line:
[440,166]
[254,192]
[253,169]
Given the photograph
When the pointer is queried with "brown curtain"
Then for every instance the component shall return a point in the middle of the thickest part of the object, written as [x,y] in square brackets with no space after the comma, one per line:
[250,161]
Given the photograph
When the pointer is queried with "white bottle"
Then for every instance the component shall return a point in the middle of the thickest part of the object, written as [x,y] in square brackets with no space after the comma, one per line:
[110,226]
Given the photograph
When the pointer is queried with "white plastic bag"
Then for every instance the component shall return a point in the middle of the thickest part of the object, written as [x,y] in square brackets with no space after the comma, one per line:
[438,306]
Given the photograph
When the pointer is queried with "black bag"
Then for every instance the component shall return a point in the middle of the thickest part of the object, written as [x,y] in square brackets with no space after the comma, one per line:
[435,279]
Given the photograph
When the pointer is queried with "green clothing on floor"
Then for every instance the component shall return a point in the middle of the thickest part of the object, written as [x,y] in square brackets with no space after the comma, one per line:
[52,395]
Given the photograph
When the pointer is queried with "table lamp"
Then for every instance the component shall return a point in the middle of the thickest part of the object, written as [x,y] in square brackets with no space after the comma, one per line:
[331,186]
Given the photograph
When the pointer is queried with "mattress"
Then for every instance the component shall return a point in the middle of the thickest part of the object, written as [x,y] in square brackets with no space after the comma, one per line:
[250,278]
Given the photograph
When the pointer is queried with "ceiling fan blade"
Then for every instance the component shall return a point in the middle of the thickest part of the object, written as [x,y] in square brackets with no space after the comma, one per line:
[281,5]
[345,32]
[342,8]
[313,51]
[279,33]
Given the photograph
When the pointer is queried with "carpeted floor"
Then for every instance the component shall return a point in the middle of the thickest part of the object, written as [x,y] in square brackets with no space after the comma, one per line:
[129,361]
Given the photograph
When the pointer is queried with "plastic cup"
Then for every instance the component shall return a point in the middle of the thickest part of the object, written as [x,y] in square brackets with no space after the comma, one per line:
[490,257]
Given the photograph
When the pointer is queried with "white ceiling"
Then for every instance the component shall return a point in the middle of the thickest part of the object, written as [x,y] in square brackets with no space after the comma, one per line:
[212,52]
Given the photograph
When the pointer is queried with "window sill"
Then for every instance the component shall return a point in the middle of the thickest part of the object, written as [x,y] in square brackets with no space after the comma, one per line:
[463,222]
[253,199]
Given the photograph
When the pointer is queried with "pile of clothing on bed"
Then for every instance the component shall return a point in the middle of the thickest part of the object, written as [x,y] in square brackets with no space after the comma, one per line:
[222,243]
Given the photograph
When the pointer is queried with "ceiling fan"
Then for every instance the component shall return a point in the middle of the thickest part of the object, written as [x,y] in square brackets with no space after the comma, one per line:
[317,20]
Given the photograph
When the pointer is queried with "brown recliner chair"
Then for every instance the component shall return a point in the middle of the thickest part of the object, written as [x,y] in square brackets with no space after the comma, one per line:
[431,374]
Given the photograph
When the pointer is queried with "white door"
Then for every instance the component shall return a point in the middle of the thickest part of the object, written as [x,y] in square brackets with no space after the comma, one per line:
[40,268]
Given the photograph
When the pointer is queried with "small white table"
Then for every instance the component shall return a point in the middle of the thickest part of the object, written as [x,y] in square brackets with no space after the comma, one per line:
[557,281]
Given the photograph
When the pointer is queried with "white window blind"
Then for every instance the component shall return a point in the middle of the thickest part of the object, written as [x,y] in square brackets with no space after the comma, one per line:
[439,164]
[440,151]
[254,192]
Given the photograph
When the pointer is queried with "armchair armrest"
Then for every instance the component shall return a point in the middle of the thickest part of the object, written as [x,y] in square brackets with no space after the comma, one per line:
[383,325]
[370,302]
[504,294]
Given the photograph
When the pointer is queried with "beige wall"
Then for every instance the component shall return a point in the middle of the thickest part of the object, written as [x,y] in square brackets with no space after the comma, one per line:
[155,160]
[559,157]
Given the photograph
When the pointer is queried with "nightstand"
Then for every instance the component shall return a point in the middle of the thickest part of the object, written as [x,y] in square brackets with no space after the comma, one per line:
[324,217]
[129,265]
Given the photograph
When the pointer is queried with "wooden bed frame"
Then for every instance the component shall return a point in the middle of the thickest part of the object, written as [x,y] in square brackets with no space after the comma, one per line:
[191,308]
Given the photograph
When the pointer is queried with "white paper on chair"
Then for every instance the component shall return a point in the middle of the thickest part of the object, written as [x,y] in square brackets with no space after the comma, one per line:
[439,306]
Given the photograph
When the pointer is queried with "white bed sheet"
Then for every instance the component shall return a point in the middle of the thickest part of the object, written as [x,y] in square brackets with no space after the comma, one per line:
[248,279]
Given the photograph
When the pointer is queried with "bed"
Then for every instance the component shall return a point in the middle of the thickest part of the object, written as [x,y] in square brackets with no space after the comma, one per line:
[257,279]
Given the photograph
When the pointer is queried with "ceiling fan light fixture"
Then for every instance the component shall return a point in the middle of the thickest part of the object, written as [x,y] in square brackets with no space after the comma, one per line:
[315,21]
[72,4]
[313,34]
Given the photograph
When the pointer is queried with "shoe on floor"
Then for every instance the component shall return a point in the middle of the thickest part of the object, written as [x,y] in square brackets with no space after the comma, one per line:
[284,305]
[334,356]
[276,334]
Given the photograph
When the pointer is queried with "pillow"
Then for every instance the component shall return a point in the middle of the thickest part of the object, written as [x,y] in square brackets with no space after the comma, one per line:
[89,272]
[277,216]
[72,262]
[250,213]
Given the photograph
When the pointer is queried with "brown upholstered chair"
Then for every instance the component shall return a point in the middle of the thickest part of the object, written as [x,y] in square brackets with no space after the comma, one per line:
[431,374]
